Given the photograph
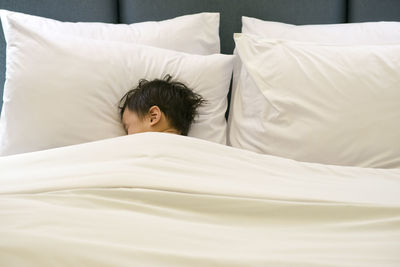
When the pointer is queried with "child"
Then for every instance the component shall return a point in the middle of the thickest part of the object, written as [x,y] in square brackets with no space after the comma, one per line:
[160,105]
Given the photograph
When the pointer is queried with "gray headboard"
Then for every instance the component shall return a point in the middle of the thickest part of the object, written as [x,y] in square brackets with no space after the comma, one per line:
[130,11]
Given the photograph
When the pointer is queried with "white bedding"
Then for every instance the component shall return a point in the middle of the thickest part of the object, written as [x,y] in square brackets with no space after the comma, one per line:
[165,200]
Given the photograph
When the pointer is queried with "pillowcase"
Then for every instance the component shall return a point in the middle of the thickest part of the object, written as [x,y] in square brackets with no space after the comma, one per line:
[327,103]
[345,33]
[175,34]
[245,94]
[63,90]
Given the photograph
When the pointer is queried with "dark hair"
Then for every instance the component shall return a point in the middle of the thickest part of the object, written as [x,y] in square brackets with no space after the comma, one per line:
[175,100]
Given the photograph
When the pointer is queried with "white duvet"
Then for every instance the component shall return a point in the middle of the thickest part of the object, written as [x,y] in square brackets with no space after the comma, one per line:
[166,200]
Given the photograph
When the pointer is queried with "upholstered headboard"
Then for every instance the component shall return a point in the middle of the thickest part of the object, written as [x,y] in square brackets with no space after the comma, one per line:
[130,11]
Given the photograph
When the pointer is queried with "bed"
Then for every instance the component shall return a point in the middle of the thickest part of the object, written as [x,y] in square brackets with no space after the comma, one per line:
[294,161]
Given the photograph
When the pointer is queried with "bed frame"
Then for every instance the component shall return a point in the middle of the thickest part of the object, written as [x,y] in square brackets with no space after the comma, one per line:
[131,11]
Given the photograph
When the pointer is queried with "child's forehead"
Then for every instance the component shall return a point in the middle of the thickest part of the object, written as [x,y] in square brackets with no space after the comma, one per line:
[128,112]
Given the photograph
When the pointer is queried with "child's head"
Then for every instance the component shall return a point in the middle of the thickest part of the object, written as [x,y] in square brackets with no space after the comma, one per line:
[159,106]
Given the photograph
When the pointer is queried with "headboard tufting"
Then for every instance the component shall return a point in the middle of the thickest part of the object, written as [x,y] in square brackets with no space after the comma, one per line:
[289,11]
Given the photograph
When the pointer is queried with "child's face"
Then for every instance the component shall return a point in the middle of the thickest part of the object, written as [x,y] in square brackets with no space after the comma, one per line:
[133,124]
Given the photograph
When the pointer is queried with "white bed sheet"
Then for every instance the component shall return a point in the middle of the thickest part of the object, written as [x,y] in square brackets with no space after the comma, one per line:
[165,200]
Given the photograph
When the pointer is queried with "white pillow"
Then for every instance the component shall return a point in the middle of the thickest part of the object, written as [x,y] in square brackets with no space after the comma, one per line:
[176,34]
[333,104]
[63,90]
[345,33]
[245,94]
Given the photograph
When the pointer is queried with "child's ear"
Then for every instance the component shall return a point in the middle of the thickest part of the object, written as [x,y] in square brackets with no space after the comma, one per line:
[155,115]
